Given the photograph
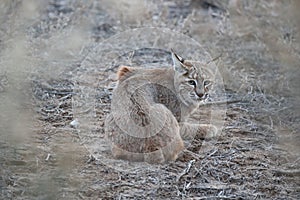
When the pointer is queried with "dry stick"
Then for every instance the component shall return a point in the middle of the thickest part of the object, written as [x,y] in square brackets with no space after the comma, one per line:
[48,157]
[220,102]
[195,155]
[91,158]
[217,197]
[287,172]
[186,170]
[48,86]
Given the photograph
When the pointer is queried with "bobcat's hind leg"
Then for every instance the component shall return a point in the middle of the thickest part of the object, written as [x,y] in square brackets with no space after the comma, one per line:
[119,153]
[170,142]
[172,150]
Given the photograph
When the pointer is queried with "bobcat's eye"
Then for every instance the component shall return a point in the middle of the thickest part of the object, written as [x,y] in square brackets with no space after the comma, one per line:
[192,82]
[206,83]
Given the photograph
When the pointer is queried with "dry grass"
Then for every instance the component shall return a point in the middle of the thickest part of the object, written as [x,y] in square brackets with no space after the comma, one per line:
[245,162]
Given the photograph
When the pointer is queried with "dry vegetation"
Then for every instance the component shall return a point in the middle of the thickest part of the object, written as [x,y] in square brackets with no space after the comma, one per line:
[45,48]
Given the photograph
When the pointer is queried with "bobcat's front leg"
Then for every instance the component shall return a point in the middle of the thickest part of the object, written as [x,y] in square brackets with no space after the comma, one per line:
[188,131]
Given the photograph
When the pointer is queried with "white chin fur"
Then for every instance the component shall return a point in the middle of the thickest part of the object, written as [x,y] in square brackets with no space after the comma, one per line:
[189,101]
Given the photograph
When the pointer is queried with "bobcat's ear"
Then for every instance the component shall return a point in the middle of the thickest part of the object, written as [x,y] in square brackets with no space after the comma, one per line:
[124,72]
[178,63]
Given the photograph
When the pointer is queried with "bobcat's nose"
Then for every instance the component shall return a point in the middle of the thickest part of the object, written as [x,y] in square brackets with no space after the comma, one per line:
[201,95]
[199,92]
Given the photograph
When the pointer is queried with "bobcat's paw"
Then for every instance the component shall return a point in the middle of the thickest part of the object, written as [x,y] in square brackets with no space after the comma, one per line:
[212,131]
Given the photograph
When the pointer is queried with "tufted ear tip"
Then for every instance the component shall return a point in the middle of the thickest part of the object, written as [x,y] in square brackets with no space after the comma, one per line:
[175,57]
[179,63]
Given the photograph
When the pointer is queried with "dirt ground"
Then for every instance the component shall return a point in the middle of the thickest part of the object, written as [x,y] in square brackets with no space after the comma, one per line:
[57,63]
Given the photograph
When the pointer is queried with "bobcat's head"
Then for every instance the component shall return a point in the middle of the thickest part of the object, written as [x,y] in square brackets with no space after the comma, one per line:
[192,81]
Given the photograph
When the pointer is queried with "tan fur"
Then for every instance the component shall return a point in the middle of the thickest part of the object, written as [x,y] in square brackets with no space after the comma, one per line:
[123,72]
[149,112]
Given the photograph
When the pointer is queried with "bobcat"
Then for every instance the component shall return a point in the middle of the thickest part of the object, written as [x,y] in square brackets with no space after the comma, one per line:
[150,108]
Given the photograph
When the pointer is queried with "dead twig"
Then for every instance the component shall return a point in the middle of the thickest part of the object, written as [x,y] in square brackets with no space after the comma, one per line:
[287,172]
[220,102]
[48,157]
[186,170]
